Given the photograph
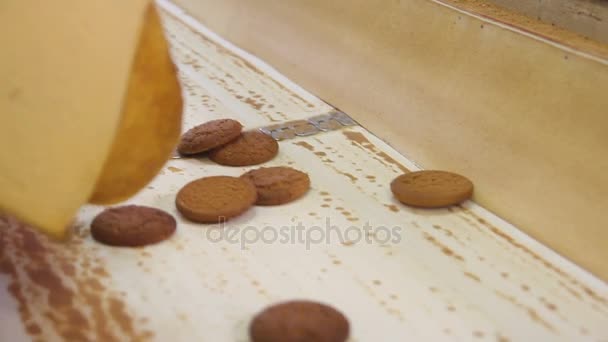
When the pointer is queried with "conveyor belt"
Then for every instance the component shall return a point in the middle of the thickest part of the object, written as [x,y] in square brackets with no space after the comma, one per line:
[398,273]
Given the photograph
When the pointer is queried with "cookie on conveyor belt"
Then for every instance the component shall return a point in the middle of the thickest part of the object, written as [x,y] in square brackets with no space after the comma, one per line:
[431,189]
[251,148]
[132,226]
[209,135]
[278,185]
[215,199]
[297,321]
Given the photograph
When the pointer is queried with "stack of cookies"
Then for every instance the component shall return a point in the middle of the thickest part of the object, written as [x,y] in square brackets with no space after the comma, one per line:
[226,144]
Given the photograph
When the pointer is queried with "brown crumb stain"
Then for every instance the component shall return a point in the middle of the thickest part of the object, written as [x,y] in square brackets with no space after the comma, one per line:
[95,285]
[352,178]
[348,243]
[445,231]
[321,154]
[146,335]
[444,249]
[451,308]
[396,313]
[253,103]
[504,274]
[502,338]
[101,272]
[242,63]
[548,304]
[324,193]
[532,313]
[325,205]
[592,294]
[472,276]
[359,140]
[478,334]
[305,145]
[392,207]
[69,301]
[525,287]
[174,169]
[337,262]
[118,311]
[102,331]
[571,290]
[377,282]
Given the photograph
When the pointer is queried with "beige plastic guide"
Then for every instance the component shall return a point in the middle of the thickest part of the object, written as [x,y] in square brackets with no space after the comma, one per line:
[517,105]
[82,83]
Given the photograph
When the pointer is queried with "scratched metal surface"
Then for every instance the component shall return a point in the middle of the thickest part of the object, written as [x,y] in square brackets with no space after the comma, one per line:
[450,274]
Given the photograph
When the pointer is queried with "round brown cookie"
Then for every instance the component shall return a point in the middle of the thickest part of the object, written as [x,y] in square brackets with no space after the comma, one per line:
[209,135]
[132,225]
[431,189]
[251,148]
[297,321]
[214,199]
[278,185]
